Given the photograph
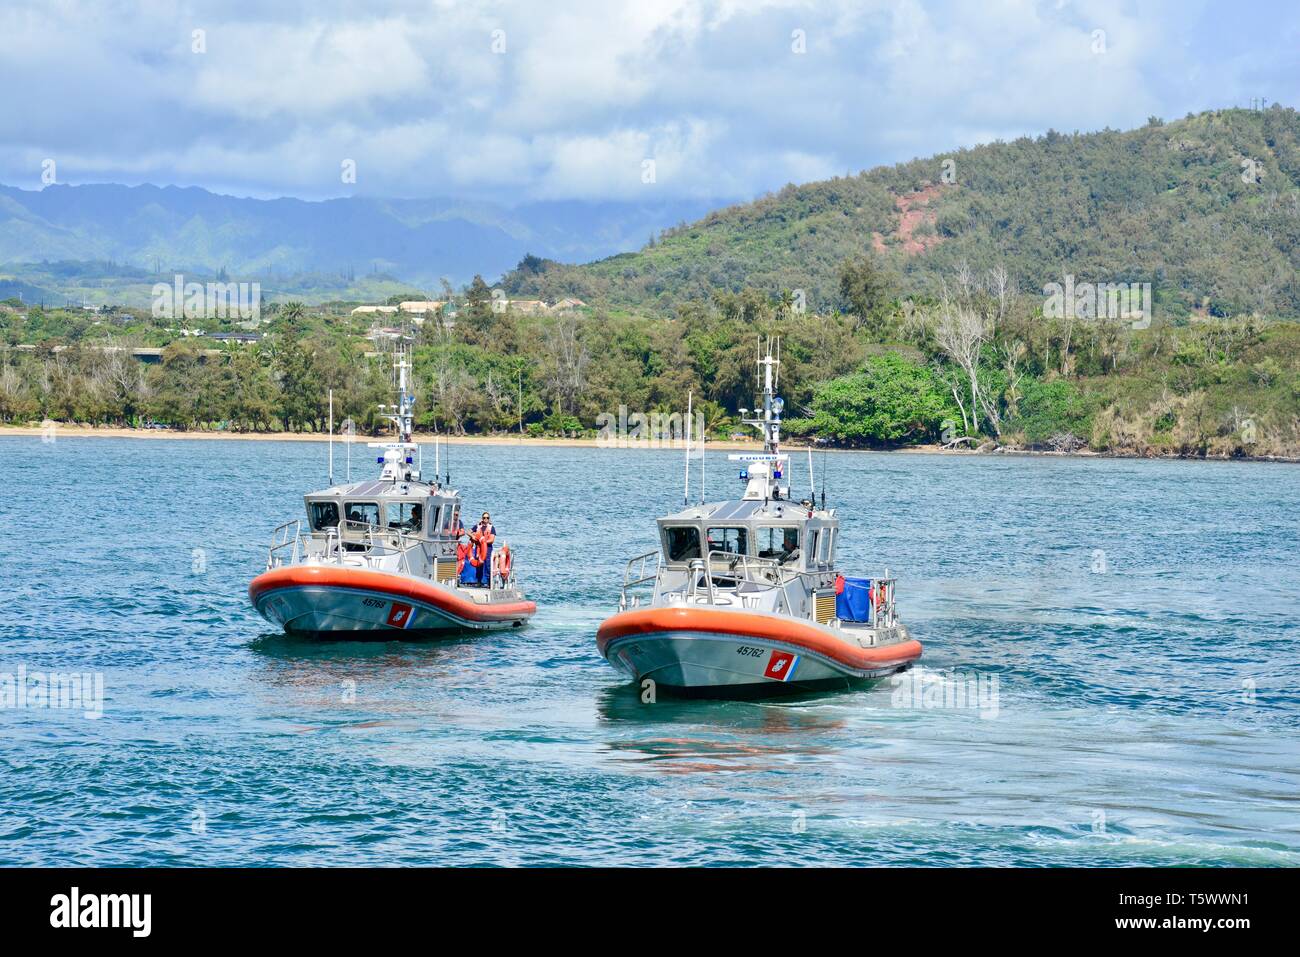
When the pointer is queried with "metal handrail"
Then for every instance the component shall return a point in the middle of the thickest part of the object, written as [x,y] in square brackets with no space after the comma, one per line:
[509,584]
[888,609]
[885,614]
[378,540]
[281,539]
[752,567]
[740,569]
[369,530]
[640,578]
[765,574]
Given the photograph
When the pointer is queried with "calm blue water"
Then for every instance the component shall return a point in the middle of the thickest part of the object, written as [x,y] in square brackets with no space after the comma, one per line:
[1144,715]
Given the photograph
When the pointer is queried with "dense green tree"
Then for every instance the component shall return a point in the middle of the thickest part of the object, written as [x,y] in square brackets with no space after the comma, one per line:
[891,401]
[1052,409]
[301,399]
[477,318]
[866,288]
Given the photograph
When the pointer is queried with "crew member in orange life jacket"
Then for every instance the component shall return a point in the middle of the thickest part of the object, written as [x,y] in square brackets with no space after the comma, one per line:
[482,536]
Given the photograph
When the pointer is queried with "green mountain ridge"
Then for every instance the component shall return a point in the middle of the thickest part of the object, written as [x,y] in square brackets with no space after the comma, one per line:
[1206,208]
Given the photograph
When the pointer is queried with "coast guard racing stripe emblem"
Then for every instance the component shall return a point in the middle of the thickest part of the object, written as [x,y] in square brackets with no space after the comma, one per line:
[781,666]
[400,615]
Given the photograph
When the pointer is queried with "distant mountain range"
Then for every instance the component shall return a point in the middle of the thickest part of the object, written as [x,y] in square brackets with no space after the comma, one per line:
[107,235]
[1205,208]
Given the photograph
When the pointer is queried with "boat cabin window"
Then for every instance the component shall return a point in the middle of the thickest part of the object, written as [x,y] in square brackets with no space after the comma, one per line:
[324,515]
[828,545]
[435,521]
[453,519]
[361,513]
[778,542]
[406,516]
[733,541]
[814,539]
[683,542]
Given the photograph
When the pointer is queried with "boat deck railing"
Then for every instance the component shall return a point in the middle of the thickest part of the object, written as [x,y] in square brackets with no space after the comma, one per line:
[882,612]
[289,545]
[381,542]
[727,577]
[286,545]
[635,575]
[887,609]
[742,575]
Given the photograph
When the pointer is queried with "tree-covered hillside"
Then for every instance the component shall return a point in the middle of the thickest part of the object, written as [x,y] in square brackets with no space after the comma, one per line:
[910,311]
[1206,209]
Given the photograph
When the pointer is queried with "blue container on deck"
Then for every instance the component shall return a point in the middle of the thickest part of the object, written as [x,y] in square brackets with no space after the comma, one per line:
[854,603]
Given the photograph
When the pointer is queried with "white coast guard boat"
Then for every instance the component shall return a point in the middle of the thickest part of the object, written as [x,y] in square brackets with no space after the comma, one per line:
[386,558]
[744,598]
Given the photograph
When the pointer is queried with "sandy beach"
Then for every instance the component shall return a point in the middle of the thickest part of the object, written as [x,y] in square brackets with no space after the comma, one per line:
[83,431]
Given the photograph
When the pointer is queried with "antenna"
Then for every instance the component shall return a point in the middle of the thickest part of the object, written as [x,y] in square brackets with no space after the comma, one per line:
[704,443]
[437,459]
[331,438]
[686,488]
[812,482]
[823,480]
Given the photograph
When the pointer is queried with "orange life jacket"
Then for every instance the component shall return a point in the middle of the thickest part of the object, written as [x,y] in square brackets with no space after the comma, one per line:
[462,553]
[483,541]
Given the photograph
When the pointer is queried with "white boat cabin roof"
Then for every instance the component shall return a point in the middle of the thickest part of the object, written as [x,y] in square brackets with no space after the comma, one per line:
[386,489]
[744,510]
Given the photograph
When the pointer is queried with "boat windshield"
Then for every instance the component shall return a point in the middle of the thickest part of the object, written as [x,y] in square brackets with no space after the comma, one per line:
[324,515]
[406,516]
[683,543]
[734,541]
[362,513]
[776,542]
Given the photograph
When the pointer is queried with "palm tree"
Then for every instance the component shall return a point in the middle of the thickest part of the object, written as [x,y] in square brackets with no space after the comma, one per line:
[716,417]
[293,312]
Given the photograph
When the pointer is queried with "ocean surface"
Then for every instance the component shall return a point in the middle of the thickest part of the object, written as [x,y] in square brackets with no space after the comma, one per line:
[1123,634]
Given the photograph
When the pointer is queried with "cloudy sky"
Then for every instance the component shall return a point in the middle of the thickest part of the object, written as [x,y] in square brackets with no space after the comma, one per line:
[517,101]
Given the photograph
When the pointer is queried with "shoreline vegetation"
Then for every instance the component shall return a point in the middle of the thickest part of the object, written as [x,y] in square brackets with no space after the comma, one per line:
[80,431]
[979,369]
[1142,301]
[978,372]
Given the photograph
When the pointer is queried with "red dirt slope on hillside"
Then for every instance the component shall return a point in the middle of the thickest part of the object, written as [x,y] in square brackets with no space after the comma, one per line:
[913,210]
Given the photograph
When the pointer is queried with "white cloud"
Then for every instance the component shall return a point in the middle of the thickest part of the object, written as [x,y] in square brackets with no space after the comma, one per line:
[305,72]
[711,90]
